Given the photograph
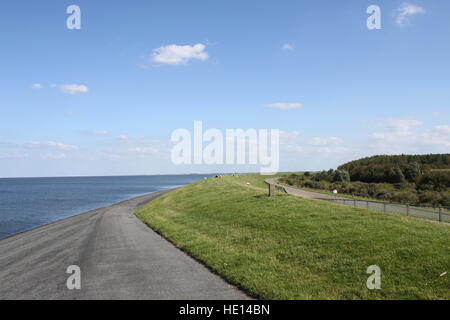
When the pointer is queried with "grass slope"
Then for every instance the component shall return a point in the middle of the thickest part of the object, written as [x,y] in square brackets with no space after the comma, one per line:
[290,248]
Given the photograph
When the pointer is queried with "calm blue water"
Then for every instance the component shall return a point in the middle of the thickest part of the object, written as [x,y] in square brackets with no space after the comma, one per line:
[26,203]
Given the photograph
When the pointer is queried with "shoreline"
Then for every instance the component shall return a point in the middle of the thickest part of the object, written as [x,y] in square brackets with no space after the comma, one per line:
[86,212]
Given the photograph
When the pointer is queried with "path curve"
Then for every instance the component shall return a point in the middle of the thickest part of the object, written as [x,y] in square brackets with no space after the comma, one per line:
[302,193]
[119,256]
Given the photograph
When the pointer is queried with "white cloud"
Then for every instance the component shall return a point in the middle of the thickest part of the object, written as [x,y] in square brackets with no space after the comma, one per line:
[142,150]
[438,136]
[14,155]
[54,156]
[37,86]
[174,54]
[332,150]
[432,140]
[289,140]
[287,46]
[442,129]
[284,106]
[406,11]
[96,133]
[295,148]
[50,145]
[8,145]
[402,125]
[72,88]
[287,136]
[325,141]
[130,148]
[437,114]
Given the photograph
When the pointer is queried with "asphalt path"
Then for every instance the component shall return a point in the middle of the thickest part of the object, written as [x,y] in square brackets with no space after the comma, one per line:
[119,258]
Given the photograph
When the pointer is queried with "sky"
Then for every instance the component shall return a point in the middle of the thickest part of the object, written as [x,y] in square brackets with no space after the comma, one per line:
[105,99]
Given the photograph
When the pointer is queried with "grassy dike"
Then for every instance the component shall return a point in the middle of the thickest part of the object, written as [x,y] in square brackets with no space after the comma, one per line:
[291,248]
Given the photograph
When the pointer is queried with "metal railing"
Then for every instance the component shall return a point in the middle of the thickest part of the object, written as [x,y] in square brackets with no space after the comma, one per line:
[441,214]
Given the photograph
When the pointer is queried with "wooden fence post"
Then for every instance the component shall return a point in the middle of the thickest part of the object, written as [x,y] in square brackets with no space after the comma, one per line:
[271,190]
[440,214]
[384,206]
[407,209]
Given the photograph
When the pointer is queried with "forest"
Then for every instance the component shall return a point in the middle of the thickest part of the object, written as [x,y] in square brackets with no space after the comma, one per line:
[411,179]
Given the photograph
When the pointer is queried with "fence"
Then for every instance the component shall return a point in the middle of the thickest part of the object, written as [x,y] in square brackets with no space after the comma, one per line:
[441,214]
[274,188]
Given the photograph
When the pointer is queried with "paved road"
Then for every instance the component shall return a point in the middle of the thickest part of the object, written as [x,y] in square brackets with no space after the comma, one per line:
[363,204]
[303,193]
[119,257]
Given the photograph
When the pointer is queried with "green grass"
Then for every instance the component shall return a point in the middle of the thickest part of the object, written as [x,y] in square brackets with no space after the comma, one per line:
[286,247]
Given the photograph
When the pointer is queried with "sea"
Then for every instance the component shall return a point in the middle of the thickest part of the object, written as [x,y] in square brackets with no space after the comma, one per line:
[27,203]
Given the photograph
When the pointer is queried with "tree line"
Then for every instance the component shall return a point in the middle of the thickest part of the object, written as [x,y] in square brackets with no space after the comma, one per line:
[413,179]
[395,169]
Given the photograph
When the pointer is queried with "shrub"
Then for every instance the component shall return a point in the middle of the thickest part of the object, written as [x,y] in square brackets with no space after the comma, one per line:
[445,201]
[430,197]
[292,179]
[323,176]
[341,176]
[405,197]
[412,172]
[395,175]
[383,195]
[438,181]
[372,190]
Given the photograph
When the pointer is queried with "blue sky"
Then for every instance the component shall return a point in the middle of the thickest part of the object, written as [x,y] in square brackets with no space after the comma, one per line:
[105,99]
